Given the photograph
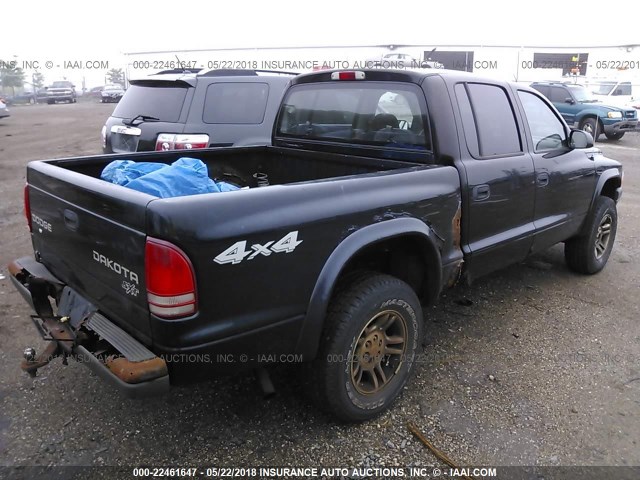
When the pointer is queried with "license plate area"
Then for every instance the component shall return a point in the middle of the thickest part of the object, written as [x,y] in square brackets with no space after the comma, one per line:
[125,139]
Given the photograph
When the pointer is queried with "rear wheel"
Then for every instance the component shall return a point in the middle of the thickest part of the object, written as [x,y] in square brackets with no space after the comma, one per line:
[589,253]
[614,136]
[368,347]
[592,126]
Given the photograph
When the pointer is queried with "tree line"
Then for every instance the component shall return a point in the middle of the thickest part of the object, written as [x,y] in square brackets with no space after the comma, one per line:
[12,77]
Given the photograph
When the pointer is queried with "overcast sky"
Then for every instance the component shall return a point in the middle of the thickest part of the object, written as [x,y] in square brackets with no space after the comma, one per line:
[76,28]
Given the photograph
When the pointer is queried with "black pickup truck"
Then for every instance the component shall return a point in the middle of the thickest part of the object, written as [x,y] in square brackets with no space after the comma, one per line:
[381,189]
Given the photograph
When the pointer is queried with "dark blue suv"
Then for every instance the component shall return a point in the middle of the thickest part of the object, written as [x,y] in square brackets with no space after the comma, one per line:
[579,109]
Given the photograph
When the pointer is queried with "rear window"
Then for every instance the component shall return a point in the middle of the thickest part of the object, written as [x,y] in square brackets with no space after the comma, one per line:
[160,101]
[229,102]
[386,114]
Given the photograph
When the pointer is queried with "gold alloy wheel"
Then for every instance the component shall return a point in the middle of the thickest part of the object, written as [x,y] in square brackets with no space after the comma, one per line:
[379,352]
[603,235]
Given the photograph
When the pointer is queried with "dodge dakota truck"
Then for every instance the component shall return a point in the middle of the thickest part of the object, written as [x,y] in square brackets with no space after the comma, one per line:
[381,188]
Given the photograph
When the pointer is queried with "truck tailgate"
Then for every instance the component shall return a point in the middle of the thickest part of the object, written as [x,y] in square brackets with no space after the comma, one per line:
[91,235]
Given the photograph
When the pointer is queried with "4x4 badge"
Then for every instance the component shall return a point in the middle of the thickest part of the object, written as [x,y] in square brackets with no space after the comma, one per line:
[238,252]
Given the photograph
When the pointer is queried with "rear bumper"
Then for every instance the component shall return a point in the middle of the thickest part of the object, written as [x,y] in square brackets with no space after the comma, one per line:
[183,352]
[124,362]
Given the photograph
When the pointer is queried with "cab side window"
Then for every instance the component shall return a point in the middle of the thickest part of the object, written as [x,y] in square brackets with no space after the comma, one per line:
[547,131]
[488,119]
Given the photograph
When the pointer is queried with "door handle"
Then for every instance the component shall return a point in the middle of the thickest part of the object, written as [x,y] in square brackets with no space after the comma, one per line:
[543,179]
[481,192]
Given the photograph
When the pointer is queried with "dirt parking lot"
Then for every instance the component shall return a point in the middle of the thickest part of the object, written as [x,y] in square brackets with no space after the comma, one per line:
[532,366]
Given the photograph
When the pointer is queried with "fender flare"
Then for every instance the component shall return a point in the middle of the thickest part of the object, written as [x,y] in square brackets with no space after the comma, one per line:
[309,339]
[602,180]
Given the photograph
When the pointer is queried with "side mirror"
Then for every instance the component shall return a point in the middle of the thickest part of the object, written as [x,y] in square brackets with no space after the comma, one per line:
[569,100]
[580,139]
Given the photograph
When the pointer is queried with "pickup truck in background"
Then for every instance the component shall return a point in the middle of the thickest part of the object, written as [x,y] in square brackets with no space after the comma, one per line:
[381,188]
[61,91]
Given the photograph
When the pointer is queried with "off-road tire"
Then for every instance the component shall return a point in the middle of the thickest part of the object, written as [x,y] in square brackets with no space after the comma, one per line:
[589,252]
[353,336]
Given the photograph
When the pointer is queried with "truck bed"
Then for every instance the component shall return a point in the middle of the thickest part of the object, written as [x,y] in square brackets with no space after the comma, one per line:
[282,165]
[99,231]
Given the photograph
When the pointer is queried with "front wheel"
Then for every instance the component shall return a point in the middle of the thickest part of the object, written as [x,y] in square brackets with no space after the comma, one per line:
[614,136]
[367,348]
[589,252]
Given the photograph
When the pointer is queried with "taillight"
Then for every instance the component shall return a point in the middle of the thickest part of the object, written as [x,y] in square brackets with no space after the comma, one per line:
[171,285]
[355,75]
[170,141]
[27,206]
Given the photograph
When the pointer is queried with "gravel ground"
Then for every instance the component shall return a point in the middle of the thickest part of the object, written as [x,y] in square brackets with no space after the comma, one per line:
[533,365]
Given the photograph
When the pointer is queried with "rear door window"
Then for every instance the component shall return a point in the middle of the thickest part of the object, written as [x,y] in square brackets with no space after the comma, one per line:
[559,95]
[160,100]
[468,123]
[495,120]
[543,89]
[228,102]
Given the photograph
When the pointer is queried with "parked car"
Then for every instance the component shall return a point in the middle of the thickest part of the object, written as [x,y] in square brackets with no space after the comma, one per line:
[613,92]
[175,110]
[23,98]
[338,234]
[4,111]
[579,108]
[30,97]
[95,92]
[111,93]
[61,91]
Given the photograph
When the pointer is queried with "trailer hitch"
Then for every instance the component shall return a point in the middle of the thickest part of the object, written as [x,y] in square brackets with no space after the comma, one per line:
[32,363]
[61,339]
